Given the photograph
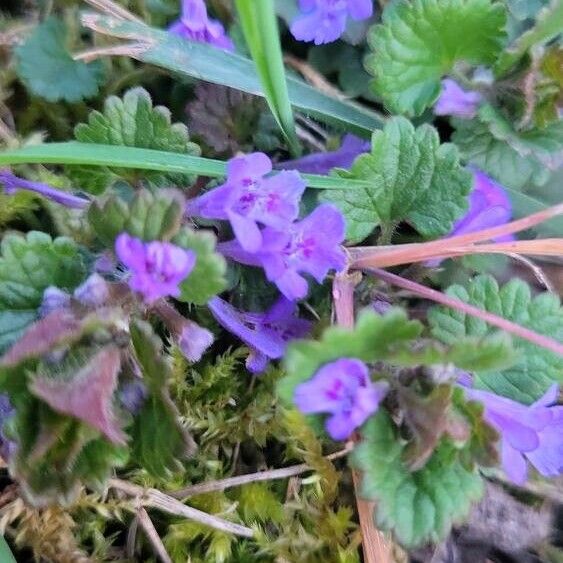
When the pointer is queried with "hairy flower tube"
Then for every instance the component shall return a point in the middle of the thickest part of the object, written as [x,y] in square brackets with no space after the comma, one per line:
[454,100]
[13,184]
[249,199]
[310,246]
[324,162]
[157,268]
[533,433]
[343,390]
[194,24]
[324,21]
[266,334]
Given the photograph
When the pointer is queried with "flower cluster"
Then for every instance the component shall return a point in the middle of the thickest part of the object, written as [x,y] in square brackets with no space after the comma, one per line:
[533,433]
[324,21]
[285,248]
[343,389]
[194,24]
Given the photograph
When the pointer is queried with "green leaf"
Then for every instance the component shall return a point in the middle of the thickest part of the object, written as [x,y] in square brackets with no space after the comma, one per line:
[144,159]
[208,63]
[159,441]
[260,27]
[421,41]
[6,554]
[208,276]
[549,23]
[418,507]
[132,121]
[28,265]
[536,368]
[150,216]
[411,176]
[47,69]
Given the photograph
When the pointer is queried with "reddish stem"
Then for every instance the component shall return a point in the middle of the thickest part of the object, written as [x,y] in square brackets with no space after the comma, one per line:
[504,324]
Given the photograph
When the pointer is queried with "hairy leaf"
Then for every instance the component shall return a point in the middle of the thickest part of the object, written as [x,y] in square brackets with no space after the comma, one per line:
[159,440]
[418,507]
[150,216]
[411,177]
[28,265]
[421,41]
[46,67]
[536,368]
[208,276]
[132,121]
[87,394]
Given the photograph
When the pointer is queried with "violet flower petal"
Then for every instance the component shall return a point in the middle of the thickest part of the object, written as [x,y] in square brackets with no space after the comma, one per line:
[194,341]
[94,292]
[454,100]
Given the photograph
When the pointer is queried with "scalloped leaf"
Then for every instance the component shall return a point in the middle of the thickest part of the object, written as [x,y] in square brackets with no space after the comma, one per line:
[159,441]
[28,265]
[208,278]
[536,369]
[46,67]
[411,176]
[420,41]
[150,216]
[133,121]
[418,507]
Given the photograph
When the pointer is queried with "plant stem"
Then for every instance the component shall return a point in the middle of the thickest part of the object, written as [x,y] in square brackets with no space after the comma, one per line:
[270,475]
[438,297]
[154,498]
[148,527]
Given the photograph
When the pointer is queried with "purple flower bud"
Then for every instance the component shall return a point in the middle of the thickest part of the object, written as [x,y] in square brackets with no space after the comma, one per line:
[133,395]
[266,334]
[157,268]
[7,446]
[454,100]
[532,432]
[94,292]
[324,162]
[247,199]
[104,264]
[195,25]
[344,390]
[310,246]
[489,206]
[12,184]
[194,341]
[53,299]
[324,21]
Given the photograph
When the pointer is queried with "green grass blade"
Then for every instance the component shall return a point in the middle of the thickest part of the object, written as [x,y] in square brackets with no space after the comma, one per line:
[6,555]
[143,159]
[201,61]
[260,27]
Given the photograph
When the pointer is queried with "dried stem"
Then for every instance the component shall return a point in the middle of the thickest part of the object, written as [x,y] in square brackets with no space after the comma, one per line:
[374,544]
[536,270]
[113,9]
[132,50]
[270,475]
[438,297]
[154,498]
[148,527]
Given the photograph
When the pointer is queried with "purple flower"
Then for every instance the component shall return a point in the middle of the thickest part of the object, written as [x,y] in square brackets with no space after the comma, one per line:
[133,395]
[454,100]
[344,390]
[532,432]
[157,268]
[12,184]
[324,21]
[266,334]
[194,24]
[324,162]
[53,299]
[194,341]
[94,292]
[7,411]
[310,246]
[247,198]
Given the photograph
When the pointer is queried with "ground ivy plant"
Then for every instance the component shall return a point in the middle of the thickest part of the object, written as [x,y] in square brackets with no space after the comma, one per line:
[204,293]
